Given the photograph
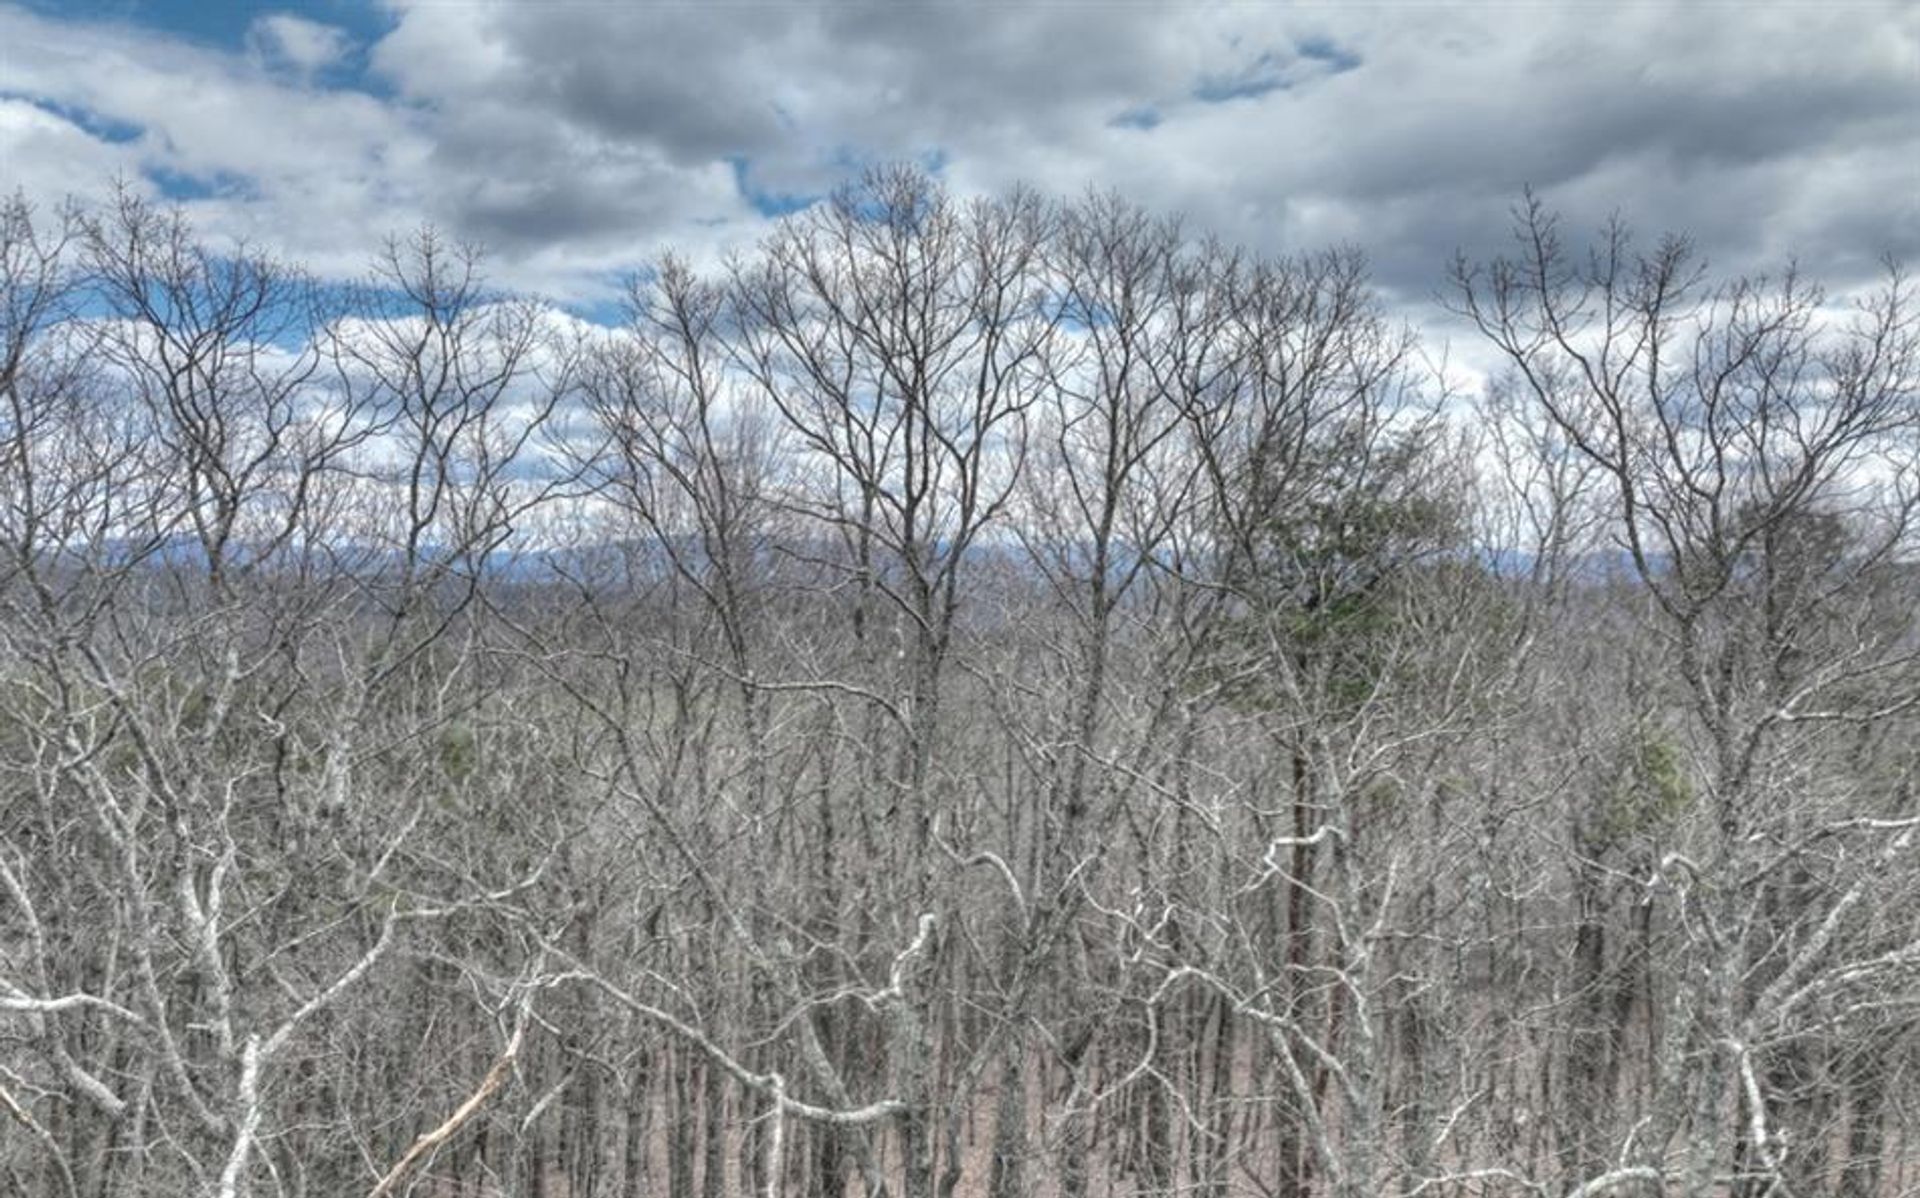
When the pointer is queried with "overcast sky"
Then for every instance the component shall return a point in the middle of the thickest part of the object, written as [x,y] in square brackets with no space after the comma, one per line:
[576,140]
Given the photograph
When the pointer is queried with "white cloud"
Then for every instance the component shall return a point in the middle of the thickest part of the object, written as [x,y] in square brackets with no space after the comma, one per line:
[49,157]
[307,47]
[324,174]
[578,140]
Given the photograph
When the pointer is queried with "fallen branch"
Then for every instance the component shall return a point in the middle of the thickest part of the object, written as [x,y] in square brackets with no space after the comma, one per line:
[430,1141]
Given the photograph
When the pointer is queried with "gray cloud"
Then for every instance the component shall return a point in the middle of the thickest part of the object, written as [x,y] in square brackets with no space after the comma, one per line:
[578,139]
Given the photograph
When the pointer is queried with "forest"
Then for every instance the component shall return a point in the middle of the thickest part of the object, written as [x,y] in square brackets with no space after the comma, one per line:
[968,698]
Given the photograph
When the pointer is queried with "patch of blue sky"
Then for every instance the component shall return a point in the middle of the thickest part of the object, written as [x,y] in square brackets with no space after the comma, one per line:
[1270,72]
[223,23]
[1143,117]
[229,27]
[605,311]
[765,201]
[105,128]
[848,160]
[184,187]
[1338,58]
[1263,75]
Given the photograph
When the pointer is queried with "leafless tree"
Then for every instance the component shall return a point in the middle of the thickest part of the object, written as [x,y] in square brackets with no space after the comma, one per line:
[991,696]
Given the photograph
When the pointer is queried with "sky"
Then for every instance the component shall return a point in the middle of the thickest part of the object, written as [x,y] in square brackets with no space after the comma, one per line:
[577,140]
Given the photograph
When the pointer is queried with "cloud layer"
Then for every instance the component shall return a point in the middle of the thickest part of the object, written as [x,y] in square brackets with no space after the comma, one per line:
[577,140]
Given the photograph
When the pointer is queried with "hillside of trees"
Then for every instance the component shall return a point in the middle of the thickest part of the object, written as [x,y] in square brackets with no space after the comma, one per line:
[969,698]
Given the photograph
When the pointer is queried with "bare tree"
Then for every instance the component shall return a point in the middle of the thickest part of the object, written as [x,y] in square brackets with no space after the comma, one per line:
[1759,460]
[993,696]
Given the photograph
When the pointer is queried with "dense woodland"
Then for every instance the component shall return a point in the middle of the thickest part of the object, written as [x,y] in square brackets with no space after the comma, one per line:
[985,697]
